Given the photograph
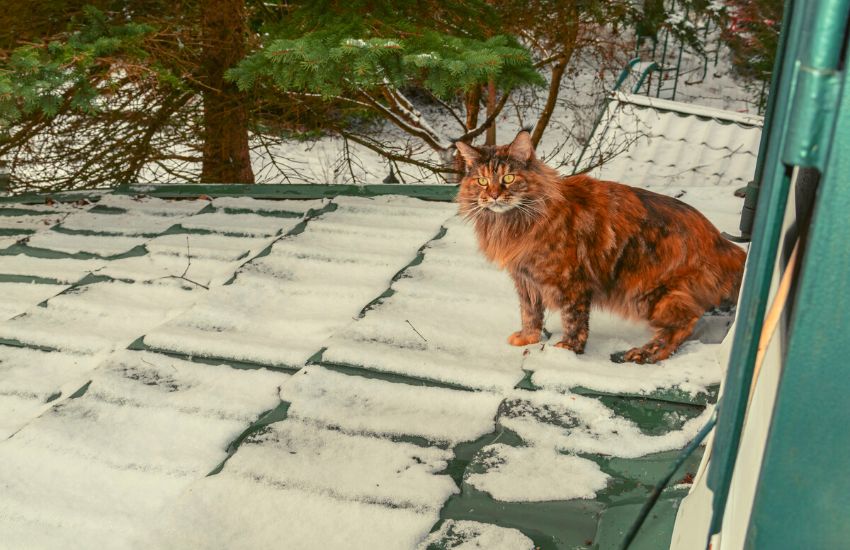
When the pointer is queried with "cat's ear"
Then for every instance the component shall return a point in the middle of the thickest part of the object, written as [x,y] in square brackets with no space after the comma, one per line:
[521,147]
[470,154]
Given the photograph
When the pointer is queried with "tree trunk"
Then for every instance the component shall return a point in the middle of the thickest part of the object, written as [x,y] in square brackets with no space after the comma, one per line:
[490,138]
[473,107]
[226,155]
[569,23]
[551,100]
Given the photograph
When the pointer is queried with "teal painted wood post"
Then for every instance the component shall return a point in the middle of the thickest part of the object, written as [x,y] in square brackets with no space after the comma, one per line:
[802,111]
[762,256]
[803,494]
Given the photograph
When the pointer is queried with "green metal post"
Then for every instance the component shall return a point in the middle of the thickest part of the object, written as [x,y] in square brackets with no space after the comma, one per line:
[624,74]
[678,72]
[646,72]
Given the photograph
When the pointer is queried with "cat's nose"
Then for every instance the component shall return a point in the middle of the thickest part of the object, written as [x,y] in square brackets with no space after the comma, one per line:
[494,193]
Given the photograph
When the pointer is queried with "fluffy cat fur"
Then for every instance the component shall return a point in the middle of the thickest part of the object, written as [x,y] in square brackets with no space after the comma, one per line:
[575,242]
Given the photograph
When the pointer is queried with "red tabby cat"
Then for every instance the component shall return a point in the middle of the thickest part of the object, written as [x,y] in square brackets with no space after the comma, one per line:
[570,243]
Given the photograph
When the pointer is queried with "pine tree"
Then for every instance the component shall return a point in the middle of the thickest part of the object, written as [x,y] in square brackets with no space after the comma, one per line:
[122,86]
[366,53]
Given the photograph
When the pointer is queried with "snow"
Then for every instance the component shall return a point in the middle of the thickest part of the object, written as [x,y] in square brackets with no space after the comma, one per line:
[382,494]
[360,405]
[152,205]
[452,298]
[580,424]
[7,241]
[355,42]
[691,108]
[473,535]
[664,149]
[284,305]
[691,370]
[28,378]
[298,455]
[62,270]
[97,470]
[128,224]
[360,462]
[29,223]
[211,246]
[202,258]
[19,297]
[89,244]
[249,225]
[267,206]
[531,474]
[15,208]
[100,316]
[238,513]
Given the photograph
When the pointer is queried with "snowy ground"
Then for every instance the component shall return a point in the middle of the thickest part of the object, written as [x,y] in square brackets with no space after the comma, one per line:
[257,374]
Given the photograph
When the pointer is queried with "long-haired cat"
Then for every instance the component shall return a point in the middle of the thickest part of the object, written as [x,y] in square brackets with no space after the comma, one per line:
[576,242]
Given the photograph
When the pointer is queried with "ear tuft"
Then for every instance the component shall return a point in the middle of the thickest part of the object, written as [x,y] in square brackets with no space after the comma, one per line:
[521,147]
[470,154]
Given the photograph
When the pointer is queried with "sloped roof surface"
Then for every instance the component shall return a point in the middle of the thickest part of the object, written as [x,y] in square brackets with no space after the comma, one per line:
[655,143]
[242,373]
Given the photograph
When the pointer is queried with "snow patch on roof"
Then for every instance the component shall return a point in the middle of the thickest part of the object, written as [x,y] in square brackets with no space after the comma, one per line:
[473,535]
[367,406]
[532,474]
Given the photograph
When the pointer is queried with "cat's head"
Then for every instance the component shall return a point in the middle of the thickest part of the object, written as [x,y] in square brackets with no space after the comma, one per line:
[505,180]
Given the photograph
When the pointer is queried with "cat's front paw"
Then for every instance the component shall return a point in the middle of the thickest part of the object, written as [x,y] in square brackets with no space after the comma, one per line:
[576,347]
[520,338]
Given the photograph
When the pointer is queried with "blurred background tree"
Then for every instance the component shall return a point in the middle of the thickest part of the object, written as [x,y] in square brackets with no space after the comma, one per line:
[752,34]
[99,92]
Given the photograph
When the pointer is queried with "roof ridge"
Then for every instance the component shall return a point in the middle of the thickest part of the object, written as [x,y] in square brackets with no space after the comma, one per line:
[689,109]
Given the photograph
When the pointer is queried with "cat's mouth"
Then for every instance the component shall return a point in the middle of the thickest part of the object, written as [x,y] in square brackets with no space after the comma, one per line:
[499,207]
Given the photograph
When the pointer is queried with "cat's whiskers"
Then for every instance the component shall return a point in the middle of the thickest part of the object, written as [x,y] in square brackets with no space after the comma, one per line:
[473,213]
[531,209]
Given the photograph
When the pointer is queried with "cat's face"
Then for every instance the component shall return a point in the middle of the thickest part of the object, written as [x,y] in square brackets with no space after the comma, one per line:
[498,179]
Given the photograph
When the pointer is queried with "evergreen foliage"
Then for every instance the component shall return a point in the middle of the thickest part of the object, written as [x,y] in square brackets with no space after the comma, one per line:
[335,48]
[39,78]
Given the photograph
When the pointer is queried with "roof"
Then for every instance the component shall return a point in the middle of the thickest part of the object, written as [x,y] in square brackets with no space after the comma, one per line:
[182,373]
[661,144]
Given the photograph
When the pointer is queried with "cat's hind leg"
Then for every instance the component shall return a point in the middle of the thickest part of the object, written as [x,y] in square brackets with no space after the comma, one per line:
[531,312]
[673,317]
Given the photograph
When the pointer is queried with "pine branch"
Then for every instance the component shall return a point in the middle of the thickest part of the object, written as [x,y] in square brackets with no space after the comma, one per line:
[378,148]
[448,108]
[408,126]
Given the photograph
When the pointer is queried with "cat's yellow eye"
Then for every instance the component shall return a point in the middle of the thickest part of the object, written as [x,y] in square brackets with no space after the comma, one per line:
[483,182]
[508,178]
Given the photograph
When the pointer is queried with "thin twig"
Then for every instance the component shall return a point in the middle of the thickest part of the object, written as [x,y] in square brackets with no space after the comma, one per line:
[188,258]
[185,271]
[414,330]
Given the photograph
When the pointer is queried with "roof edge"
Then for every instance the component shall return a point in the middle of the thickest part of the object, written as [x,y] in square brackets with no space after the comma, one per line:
[441,192]
[689,109]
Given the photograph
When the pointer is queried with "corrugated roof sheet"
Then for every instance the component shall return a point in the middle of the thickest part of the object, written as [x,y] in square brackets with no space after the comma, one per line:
[338,364]
[655,143]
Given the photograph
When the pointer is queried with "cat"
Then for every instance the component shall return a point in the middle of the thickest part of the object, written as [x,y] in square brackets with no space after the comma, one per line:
[570,243]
